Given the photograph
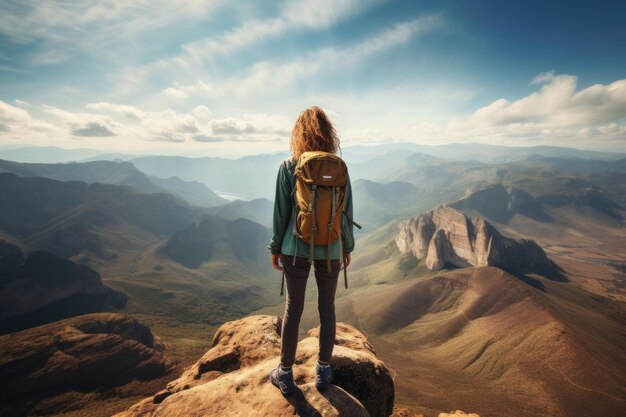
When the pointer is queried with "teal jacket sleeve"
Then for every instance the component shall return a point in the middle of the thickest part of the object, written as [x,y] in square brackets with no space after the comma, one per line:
[283,204]
[347,228]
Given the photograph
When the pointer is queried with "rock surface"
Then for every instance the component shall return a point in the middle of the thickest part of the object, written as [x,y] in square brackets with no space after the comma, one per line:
[231,379]
[77,355]
[41,287]
[446,237]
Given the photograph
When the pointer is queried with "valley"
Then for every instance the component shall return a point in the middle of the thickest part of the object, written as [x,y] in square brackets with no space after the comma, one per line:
[518,281]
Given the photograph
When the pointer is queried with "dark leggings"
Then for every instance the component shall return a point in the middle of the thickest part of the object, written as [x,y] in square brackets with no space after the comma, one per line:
[296,278]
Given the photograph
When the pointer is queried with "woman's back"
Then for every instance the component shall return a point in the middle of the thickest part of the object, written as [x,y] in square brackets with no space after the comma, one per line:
[295,247]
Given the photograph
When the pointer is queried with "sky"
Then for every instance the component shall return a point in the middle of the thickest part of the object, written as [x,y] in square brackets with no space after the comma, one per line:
[216,76]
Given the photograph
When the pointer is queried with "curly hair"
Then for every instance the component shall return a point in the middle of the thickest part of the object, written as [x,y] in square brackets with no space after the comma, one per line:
[313,132]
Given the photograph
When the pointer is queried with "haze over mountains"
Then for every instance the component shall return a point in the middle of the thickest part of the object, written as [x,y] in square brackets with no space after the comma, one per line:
[117,173]
[152,238]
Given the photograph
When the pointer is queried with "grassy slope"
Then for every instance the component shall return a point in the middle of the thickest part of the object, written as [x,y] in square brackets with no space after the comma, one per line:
[185,306]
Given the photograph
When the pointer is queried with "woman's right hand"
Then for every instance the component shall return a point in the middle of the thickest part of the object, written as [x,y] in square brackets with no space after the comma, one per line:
[347,258]
[275,258]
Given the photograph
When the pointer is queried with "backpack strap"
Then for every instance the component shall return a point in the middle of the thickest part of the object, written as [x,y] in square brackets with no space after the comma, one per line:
[282,283]
[294,209]
[341,257]
[314,223]
[294,214]
[330,224]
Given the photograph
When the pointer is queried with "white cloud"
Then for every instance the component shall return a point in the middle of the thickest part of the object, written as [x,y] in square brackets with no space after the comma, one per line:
[271,77]
[124,125]
[66,28]
[11,115]
[544,77]
[174,92]
[92,129]
[194,62]
[202,112]
[127,111]
[612,129]
[295,16]
[251,124]
[558,104]
[18,122]
[557,113]
[170,122]
[231,125]
[85,124]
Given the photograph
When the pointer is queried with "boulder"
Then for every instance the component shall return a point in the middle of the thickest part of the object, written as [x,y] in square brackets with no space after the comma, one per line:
[231,379]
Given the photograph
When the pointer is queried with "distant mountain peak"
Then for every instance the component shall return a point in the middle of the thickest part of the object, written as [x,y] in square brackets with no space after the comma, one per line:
[446,237]
[500,203]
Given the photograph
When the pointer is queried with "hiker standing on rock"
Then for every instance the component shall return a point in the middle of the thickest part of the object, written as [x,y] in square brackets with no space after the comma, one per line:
[312,226]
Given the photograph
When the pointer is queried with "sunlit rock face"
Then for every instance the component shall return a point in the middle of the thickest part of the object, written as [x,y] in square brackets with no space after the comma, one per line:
[446,237]
[231,379]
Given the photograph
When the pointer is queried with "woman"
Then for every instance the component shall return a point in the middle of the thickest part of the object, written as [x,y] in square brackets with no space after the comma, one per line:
[313,131]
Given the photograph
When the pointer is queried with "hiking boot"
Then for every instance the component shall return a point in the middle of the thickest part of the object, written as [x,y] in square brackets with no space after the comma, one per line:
[283,380]
[323,376]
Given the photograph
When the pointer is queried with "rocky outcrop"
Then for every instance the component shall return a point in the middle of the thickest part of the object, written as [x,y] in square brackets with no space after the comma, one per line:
[500,203]
[41,287]
[231,379]
[446,237]
[94,352]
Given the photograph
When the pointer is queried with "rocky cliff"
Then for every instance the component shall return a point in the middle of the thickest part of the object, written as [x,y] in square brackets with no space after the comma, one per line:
[64,365]
[41,287]
[446,237]
[231,379]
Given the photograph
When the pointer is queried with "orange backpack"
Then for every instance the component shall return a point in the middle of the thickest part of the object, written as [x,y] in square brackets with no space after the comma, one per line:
[320,180]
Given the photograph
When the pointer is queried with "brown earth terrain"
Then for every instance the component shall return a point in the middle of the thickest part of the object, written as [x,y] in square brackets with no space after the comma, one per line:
[538,347]
[83,365]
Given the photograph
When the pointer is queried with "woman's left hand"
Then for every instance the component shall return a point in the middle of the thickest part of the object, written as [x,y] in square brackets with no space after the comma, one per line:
[275,258]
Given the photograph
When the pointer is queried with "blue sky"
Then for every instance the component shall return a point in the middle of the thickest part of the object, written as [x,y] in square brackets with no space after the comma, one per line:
[215,76]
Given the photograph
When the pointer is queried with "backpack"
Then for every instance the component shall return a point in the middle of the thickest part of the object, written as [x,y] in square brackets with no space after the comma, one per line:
[320,180]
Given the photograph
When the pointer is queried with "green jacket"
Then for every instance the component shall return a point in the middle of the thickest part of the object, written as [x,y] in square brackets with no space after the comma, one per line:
[283,239]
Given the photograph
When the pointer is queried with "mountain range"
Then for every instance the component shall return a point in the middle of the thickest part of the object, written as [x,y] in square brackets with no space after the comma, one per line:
[489,279]
[117,173]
